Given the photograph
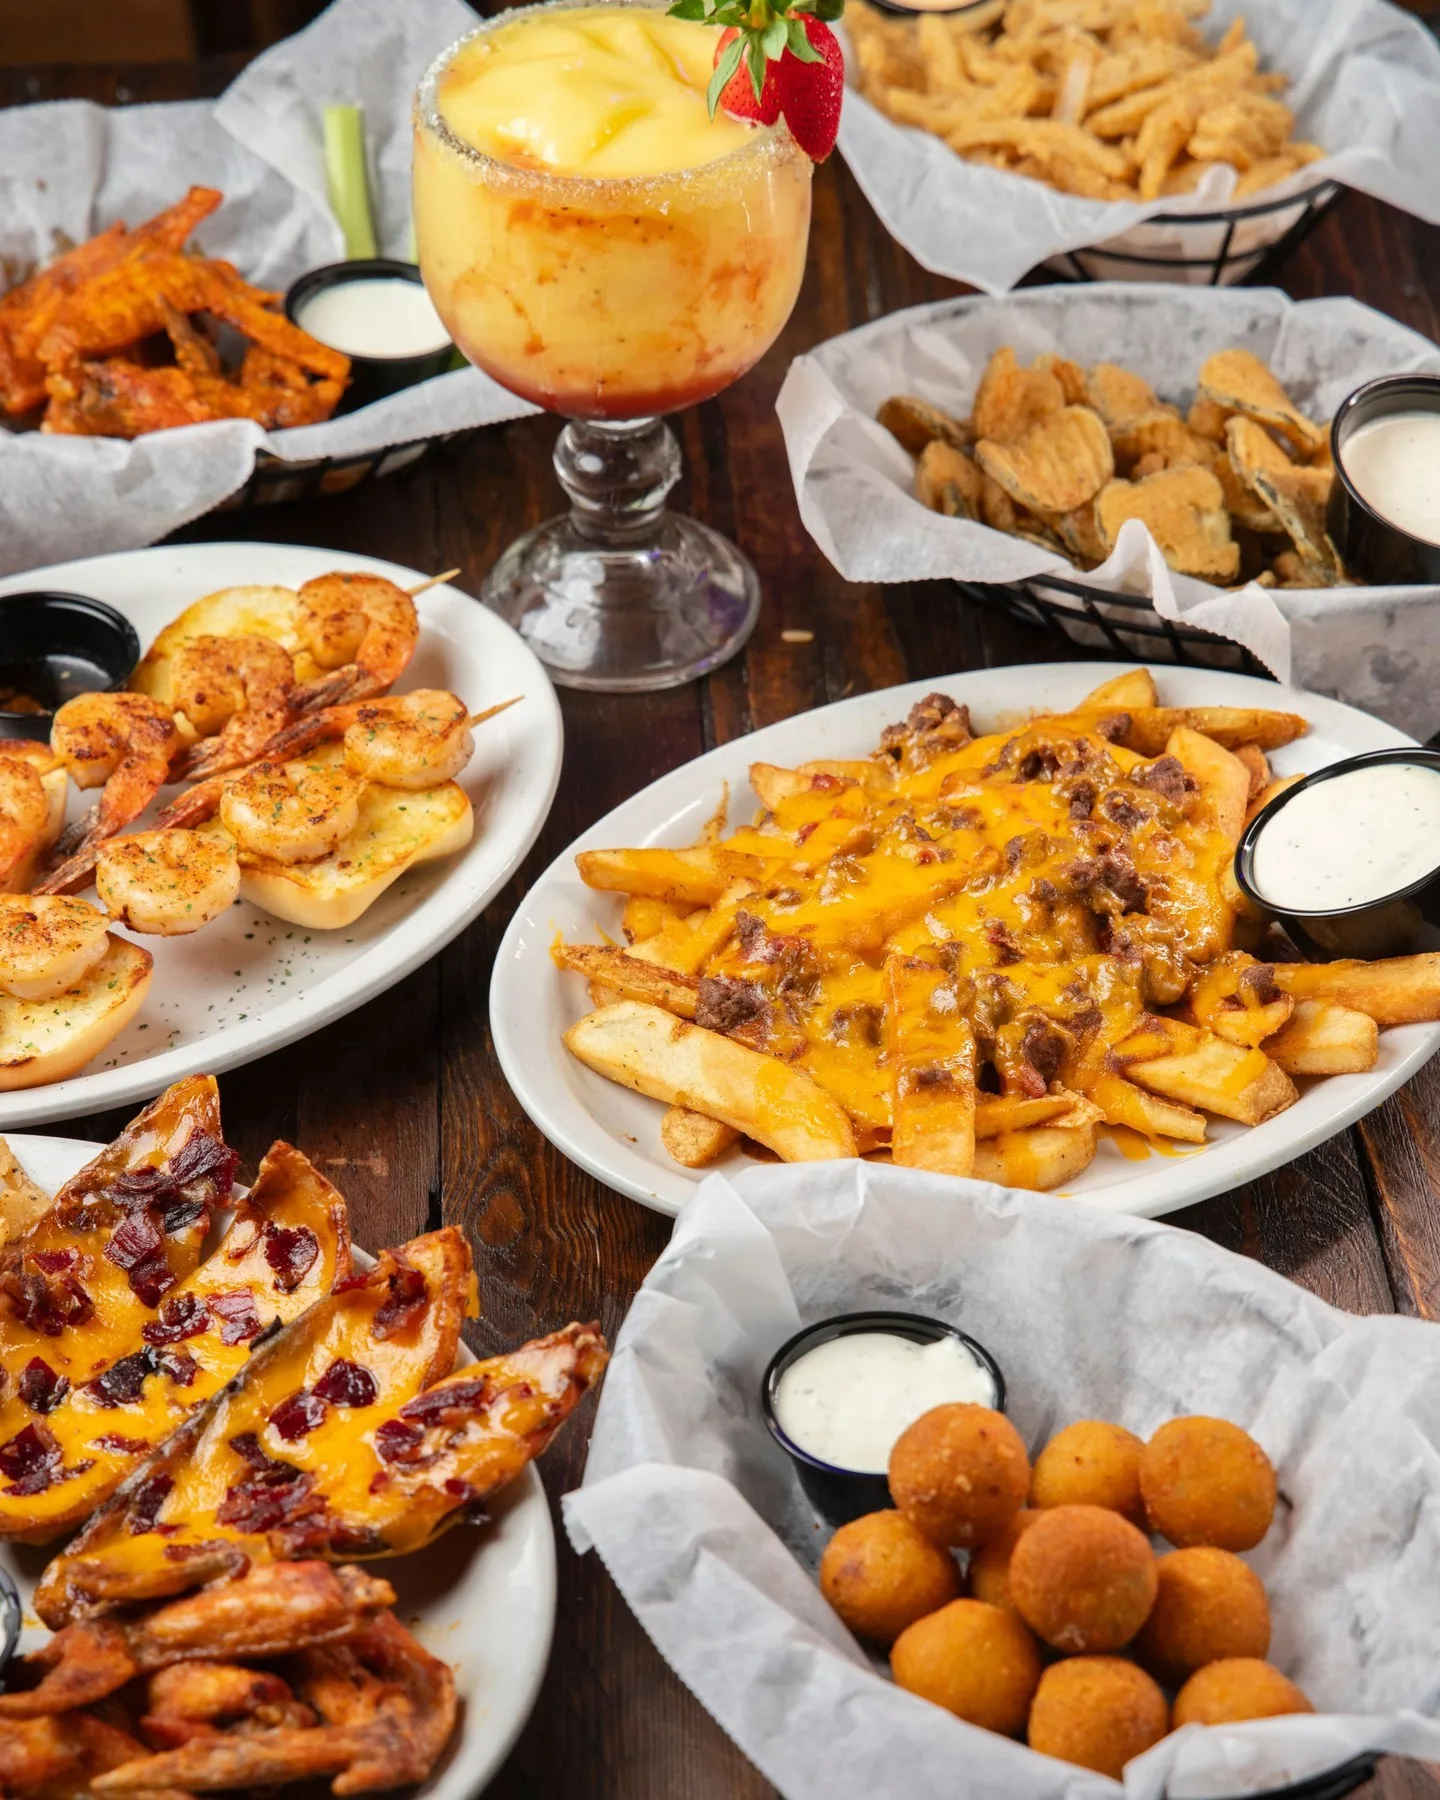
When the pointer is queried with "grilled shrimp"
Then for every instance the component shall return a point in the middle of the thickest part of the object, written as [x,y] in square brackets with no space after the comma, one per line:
[29,819]
[359,626]
[292,812]
[47,943]
[167,883]
[126,741]
[235,693]
[410,740]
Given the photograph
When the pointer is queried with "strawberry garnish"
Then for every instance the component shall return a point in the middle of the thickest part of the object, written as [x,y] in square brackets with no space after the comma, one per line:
[776,58]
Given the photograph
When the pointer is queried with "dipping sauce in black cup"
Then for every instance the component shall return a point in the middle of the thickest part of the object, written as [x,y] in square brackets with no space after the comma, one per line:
[54,646]
[377,312]
[837,1395]
[1349,858]
[1384,510]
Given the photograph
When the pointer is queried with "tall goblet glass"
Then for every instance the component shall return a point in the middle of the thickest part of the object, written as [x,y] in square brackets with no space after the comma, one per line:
[612,301]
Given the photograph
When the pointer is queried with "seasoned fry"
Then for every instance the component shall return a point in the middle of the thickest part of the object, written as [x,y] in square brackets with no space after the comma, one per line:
[1222,1078]
[693,1140]
[630,978]
[1039,1159]
[932,1069]
[1323,1038]
[1401,990]
[683,877]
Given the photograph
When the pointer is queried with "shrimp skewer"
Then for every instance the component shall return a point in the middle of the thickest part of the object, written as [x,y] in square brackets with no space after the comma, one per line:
[235,693]
[125,741]
[33,786]
[362,628]
[167,883]
[47,944]
[291,812]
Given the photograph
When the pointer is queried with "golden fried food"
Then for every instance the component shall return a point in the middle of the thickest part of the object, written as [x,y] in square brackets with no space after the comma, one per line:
[881,1573]
[1090,1463]
[1083,1578]
[977,1661]
[1244,458]
[1097,1711]
[1205,1481]
[1208,1606]
[1241,1687]
[1122,102]
[115,339]
[989,1574]
[959,1473]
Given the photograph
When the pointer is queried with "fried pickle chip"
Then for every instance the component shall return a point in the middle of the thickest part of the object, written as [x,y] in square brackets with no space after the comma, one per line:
[1011,399]
[947,481]
[1080,535]
[915,423]
[1290,570]
[1244,506]
[1056,466]
[1296,497]
[1207,419]
[1159,433]
[1070,376]
[1119,395]
[1240,381]
[1185,511]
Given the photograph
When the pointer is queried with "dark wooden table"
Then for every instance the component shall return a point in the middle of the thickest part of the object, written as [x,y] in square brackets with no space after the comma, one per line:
[403,1103]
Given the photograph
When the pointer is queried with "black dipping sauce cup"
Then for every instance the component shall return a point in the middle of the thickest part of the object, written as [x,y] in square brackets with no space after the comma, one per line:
[371,377]
[54,646]
[840,1495]
[1397,924]
[1371,547]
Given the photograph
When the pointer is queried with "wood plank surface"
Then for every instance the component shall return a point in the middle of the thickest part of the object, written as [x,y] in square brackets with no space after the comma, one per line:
[403,1103]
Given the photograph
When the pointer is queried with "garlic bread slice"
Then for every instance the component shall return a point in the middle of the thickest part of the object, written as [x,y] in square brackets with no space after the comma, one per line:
[50,1040]
[267,612]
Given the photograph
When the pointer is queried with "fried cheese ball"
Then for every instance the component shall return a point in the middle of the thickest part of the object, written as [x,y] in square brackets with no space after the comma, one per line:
[1205,1481]
[990,1564]
[977,1661]
[1097,1711]
[881,1573]
[1090,1463]
[960,1473]
[1241,1687]
[1083,1578]
[1209,1606]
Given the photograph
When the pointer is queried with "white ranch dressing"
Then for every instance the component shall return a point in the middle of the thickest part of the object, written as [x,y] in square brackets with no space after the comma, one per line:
[846,1401]
[381,316]
[1351,840]
[1394,465]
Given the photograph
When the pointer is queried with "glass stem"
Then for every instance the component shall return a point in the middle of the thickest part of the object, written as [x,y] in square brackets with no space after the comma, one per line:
[617,474]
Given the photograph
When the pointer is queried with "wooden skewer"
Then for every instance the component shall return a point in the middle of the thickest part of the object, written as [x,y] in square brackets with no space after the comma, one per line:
[422,587]
[490,711]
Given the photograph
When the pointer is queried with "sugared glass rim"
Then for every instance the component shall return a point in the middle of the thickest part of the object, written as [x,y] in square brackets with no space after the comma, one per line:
[771,141]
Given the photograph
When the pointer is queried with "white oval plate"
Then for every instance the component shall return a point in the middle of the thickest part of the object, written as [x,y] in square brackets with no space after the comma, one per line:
[482,1598]
[249,983]
[615,1134]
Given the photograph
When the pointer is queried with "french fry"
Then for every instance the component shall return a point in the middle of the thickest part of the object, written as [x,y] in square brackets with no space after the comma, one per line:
[695,877]
[1402,990]
[693,1140]
[1122,1103]
[1235,997]
[931,1053]
[651,1051]
[629,977]
[643,917]
[1259,768]
[1222,1078]
[686,944]
[1224,780]
[995,1113]
[1134,688]
[1268,793]
[1325,1039]
[773,786]
[1040,1159]
[1147,729]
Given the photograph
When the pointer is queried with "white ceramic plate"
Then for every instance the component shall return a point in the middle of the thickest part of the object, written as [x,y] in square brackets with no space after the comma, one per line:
[248,983]
[615,1134]
[482,1598]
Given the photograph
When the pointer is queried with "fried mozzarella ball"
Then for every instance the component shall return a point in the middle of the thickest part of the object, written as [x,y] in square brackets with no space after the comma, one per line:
[1083,1578]
[1209,1606]
[1205,1481]
[990,1564]
[1090,1463]
[960,1473]
[1097,1711]
[977,1661]
[1241,1687]
[881,1573]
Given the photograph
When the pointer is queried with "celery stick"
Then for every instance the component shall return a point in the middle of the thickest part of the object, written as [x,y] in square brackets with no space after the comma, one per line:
[345,174]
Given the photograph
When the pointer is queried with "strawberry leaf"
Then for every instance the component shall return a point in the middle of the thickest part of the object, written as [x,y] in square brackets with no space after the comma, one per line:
[799,43]
[688,9]
[755,59]
[729,62]
[773,39]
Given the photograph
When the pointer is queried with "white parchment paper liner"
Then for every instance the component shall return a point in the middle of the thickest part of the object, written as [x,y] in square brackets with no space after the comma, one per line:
[68,168]
[1365,84]
[699,1518]
[1378,648]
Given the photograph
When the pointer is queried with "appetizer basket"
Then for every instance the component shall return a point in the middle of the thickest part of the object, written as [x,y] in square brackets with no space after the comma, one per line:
[276,481]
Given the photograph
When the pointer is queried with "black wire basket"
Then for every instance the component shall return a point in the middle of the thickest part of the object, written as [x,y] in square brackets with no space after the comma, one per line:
[1126,624]
[275,481]
[1237,245]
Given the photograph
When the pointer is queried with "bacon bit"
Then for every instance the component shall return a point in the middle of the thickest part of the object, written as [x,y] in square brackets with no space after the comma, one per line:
[347,1384]
[122,1383]
[47,1306]
[404,1304]
[138,1247]
[236,1312]
[291,1254]
[180,1366]
[264,1506]
[803,834]
[39,1387]
[359,1280]
[264,1467]
[52,1261]
[116,1440]
[454,1485]
[298,1416]
[144,1509]
[30,1460]
[179,1214]
[441,1405]
[183,1316]
[397,1442]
